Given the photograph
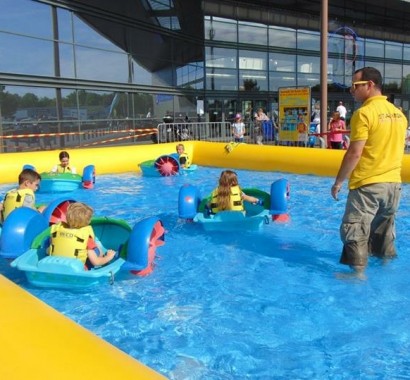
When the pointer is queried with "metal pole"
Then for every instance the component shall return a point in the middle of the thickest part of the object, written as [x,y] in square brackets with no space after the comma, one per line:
[323,66]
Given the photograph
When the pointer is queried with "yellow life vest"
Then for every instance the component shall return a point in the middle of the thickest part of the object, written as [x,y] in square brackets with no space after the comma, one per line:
[184,160]
[235,199]
[15,199]
[70,242]
[65,169]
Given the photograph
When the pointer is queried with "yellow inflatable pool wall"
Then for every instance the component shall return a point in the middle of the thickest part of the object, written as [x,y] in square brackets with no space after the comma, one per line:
[322,162]
[38,342]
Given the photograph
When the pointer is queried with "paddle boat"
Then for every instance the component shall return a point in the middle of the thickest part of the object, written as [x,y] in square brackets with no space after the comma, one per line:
[165,166]
[23,224]
[65,182]
[136,249]
[273,206]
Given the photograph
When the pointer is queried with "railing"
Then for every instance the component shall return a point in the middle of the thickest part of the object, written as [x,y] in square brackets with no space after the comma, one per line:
[217,132]
[50,134]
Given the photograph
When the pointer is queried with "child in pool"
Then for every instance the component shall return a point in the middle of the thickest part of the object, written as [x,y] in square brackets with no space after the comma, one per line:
[64,165]
[23,196]
[76,239]
[184,161]
[228,195]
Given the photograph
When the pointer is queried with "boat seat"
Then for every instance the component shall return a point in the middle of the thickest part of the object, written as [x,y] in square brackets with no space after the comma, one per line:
[60,264]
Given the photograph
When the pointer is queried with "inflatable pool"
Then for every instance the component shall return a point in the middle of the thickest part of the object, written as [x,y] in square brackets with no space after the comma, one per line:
[38,323]
[164,166]
[135,246]
[272,206]
[65,182]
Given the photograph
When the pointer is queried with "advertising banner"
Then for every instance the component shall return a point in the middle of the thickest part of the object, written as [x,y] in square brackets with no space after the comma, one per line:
[294,114]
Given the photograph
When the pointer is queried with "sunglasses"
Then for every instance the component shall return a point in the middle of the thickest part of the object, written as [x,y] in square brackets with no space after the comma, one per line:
[359,83]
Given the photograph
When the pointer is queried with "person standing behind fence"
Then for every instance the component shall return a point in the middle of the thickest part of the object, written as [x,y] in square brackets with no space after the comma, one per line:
[373,165]
[335,127]
[260,117]
[342,110]
[238,128]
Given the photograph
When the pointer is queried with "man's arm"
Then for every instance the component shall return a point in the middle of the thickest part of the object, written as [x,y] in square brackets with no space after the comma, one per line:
[349,162]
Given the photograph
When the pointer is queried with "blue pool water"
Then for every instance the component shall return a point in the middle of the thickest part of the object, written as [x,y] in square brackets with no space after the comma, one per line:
[266,305]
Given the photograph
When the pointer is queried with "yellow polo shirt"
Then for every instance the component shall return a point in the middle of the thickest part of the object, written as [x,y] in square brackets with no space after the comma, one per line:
[383,126]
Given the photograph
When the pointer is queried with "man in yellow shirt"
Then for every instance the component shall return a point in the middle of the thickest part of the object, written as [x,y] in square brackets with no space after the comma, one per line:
[373,165]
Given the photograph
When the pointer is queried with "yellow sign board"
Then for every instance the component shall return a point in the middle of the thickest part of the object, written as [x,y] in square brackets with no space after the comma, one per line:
[294,114]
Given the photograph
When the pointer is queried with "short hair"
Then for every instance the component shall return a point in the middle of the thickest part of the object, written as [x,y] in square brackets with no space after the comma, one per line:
[28,175]
[63,154]
[370,73]
[79,215]
[180,145]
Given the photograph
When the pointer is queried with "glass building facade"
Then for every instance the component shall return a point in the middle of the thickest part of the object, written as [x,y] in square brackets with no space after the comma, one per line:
[76,65]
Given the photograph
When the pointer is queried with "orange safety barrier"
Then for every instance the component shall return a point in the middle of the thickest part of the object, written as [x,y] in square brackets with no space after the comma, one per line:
[137,131]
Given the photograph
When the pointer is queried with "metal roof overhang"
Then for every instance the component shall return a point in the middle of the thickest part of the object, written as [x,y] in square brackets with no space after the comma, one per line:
[116,20]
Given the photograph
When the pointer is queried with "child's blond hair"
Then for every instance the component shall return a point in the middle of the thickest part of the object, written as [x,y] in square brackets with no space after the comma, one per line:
[79,215]
[180,146]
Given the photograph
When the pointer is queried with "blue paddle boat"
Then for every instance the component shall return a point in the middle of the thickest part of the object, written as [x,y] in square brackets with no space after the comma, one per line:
[165,166]
[273,206]
[23,224]
[136,249]
[65,182]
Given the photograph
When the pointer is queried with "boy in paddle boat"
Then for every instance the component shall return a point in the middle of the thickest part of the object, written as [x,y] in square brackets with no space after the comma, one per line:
[76,238]
[23,196]
[184,161]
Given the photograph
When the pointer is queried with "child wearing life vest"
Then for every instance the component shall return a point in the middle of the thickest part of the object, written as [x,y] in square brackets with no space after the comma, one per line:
[184,161]
[228,195]
[64,165]
[23,196]
[76,238]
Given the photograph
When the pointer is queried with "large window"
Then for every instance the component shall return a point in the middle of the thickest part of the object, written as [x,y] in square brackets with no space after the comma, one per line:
[191,76]
[25,18]
[221,69]
[374,48]
[282,37]
[221,58]
[221,79]
[219,29]
[277,80]
[253,75]
[308,64]
[26,55]
[307,40]
[89,67]
[255,34]
[394,50]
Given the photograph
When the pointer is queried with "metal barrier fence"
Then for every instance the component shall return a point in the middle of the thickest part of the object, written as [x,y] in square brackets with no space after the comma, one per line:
[42,135]
[217,132]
